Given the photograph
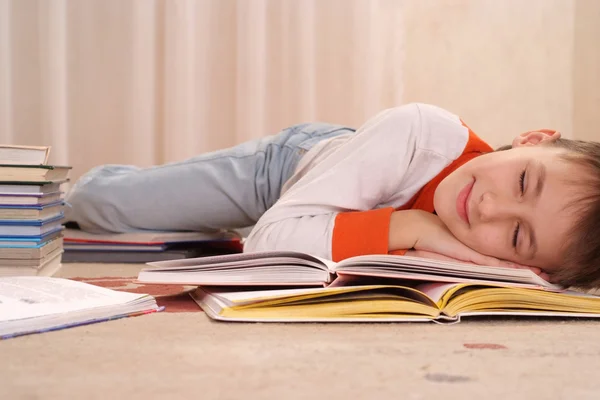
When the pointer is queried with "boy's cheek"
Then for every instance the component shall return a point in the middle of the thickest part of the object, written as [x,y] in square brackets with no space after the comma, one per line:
[488,243]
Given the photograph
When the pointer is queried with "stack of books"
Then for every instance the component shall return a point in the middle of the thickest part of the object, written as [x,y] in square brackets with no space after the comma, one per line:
[145,246]
[31,211]
[297,287]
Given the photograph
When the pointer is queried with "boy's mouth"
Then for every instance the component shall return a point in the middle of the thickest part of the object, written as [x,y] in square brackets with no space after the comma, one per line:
[462,202]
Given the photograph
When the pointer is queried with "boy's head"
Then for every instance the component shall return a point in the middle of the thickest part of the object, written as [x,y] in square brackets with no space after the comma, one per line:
[537,204]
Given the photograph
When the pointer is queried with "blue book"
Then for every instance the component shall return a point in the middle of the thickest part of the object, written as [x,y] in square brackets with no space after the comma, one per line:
[34,241]
[31,212]
[32,222]
[31,206]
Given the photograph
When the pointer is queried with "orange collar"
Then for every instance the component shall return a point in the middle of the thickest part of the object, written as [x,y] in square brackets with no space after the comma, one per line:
[423,199]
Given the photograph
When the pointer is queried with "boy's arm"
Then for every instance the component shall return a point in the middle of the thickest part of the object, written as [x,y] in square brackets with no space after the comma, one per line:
[380,165]
[423,231]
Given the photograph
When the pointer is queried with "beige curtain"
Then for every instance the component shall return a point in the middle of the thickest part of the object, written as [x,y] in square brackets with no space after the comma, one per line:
[149,81]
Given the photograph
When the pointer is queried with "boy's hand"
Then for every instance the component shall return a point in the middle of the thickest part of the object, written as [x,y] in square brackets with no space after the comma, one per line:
[420,230]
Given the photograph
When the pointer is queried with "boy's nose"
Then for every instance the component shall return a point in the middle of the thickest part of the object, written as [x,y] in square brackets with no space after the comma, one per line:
[492,208]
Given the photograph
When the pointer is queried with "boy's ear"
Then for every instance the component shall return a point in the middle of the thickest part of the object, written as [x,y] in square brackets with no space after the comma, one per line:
[533,138]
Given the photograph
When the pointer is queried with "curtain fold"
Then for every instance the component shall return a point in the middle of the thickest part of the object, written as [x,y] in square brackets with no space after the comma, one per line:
[151,81]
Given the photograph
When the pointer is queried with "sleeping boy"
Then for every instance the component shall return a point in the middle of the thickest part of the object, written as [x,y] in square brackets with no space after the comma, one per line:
[412,180]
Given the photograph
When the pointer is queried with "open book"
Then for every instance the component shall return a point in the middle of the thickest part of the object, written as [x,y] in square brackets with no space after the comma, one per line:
[39,304]
[284,268]
[438,302]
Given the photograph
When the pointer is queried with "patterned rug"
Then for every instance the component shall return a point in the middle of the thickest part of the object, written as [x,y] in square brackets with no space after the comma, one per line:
[175,298]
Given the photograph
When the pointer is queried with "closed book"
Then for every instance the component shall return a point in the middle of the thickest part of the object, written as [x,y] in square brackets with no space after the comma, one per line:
[32,252]
[24,155]
[33,173]
[46,266]
[35,199]
[10,227]
[30,241]
[28,188]
[30,211]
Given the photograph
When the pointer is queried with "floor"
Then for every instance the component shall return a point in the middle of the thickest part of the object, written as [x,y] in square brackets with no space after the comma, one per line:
[184,354]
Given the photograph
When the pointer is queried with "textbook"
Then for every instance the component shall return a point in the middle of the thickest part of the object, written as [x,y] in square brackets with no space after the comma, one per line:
[30,227]
[33,199]
[30,188]
[145,246]
[33,242]
[24,155]
[33,173]
[46,265]
[31,211]
[425,302]
[147,238]
[9,253]
[39,304]
[286,268]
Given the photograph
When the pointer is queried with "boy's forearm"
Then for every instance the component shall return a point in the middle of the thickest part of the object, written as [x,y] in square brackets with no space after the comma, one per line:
[403,229]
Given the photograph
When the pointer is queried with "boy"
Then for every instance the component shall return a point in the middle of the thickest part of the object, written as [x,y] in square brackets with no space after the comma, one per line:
[412,180]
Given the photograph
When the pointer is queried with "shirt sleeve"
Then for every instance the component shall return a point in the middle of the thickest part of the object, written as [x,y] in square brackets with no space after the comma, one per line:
[335,211]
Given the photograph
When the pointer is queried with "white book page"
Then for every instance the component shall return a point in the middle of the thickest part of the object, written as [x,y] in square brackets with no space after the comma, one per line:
[389,263]
[242,259]
[33,296]
[231,298]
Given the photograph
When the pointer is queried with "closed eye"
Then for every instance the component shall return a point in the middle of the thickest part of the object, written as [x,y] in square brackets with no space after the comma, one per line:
[522,181]
[522,191]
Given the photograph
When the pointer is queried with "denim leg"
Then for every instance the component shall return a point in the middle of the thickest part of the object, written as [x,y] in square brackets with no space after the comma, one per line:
[228,188]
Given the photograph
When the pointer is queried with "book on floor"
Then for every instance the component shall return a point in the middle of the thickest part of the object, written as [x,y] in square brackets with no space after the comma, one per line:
[40,304]
[24,155]
[29,241]
[286,268]
[31,211]
[145,246]
[116,256]
[145,237]
[30,252]
[46,265]
[296,287]
[423,302]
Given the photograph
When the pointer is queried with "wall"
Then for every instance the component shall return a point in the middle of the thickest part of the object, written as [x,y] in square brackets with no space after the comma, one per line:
[148,81]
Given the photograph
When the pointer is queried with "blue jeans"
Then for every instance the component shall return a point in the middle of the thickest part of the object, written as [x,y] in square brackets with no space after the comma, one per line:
[225,189]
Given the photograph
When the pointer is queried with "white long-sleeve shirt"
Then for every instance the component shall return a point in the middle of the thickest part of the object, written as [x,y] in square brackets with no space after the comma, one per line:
[339,201]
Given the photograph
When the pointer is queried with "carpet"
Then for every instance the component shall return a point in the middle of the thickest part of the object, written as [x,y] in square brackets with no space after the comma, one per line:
[180,355]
